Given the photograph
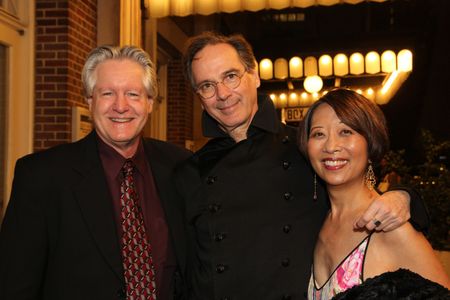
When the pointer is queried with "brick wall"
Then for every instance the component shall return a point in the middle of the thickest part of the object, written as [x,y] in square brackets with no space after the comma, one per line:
[65,33]
[180,105]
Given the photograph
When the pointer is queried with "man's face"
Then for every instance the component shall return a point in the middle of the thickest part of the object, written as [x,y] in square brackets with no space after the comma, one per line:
[231,108]
[119,104]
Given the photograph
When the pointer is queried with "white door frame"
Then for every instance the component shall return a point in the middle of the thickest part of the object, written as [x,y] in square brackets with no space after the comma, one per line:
[17,34]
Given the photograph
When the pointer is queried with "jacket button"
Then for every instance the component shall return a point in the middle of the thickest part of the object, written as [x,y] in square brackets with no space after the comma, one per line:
[287,228]
[215,207]
[220,268]
[122,293]
[285,139]
[286,297]
[211,179]
[286,165]
[285,262]
[218,237]
[288,196]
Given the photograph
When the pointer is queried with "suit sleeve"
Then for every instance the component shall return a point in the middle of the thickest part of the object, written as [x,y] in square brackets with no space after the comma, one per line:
[23,239]
[420,219]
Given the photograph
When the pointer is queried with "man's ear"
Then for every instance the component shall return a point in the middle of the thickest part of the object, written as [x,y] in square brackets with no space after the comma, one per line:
[258,81]
[89,102]
[150,104]
[255,75]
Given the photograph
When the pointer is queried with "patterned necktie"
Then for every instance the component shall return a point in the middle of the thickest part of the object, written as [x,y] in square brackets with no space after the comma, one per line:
[138,266]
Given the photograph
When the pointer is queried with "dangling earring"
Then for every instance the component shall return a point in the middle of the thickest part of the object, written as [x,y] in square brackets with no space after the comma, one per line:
[370,177]
[315,187]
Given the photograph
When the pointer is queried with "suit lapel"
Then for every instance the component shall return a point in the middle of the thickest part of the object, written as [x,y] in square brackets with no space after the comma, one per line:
[161,171]
[94,199]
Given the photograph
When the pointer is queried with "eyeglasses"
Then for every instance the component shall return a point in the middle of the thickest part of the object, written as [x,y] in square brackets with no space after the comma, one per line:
[208,89]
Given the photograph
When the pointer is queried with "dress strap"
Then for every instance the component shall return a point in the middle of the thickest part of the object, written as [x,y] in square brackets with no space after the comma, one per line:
[352,253]
[365,255]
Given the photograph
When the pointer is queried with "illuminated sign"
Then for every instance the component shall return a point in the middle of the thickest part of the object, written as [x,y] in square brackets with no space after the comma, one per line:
[295,114]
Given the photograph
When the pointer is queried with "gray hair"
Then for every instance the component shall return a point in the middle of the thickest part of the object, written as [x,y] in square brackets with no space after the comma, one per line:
[103,53]
[197,43]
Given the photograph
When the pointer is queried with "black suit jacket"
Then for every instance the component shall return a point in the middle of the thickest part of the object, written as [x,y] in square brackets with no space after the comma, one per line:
[58,239]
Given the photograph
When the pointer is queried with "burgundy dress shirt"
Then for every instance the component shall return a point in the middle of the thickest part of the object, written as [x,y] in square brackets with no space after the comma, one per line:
[154,217]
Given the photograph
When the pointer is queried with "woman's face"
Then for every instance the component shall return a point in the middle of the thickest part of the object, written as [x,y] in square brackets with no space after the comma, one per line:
[337,153]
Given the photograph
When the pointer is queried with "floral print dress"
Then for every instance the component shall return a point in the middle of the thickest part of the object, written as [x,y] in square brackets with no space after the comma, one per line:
[346,275]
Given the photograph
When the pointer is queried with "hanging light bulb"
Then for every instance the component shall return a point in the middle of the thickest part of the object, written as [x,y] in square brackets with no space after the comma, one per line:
[281,68]
[372,62]
[313,84]
[282,100]
[405,60]
[295,67]
[356,63]
[388,64]
[310,66]
[266,69]
[325,65]
[340,63]
[293,100]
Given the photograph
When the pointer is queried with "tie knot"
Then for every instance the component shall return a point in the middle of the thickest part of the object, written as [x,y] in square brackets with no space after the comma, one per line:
[127,168]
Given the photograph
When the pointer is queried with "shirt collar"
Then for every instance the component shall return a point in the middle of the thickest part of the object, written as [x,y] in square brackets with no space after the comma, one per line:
[265,118]
[115,161]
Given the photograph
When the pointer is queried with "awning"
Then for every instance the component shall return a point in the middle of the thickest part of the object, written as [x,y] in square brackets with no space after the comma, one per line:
[164,8]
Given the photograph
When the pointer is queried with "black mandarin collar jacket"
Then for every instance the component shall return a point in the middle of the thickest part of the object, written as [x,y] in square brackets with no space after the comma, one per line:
[250,216]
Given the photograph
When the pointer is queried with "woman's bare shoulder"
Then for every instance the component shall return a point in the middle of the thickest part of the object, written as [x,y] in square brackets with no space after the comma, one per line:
[403,242]
[407,248]
[400,236]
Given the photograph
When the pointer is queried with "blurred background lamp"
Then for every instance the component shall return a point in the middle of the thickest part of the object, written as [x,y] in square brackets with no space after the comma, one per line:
[266,69]
[356,63]
[295,67]
[404,60]
[281,68]
[282,100]
[372,62]
[388,64]
[293,100]
[310,66]
[340,63]
[313,84]
[325,65]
